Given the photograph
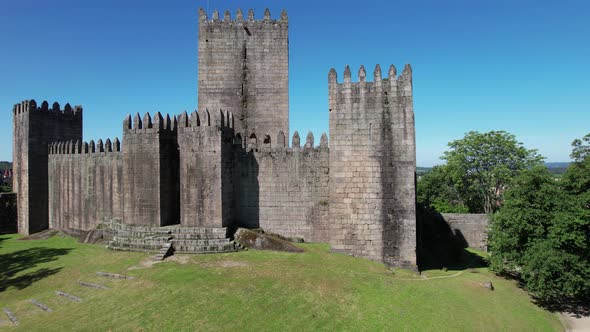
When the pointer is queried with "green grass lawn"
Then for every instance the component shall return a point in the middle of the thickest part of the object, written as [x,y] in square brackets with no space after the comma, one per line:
[249,290]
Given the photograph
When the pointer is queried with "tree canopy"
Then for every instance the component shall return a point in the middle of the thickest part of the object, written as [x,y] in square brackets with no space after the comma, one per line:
[479,168]
[542,232]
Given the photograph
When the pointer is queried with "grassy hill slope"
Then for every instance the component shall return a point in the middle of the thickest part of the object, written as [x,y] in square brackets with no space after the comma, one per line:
[251,290]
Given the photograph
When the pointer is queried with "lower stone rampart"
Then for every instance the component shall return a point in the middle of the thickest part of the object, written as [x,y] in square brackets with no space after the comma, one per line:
[470,228]
[85,189]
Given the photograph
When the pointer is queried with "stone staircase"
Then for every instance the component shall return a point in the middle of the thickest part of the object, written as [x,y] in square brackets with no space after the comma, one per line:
[168,239]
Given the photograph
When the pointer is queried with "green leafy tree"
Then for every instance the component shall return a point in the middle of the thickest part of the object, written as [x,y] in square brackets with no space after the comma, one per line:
[482,165]
[436,190]
[541,234]
[5,188]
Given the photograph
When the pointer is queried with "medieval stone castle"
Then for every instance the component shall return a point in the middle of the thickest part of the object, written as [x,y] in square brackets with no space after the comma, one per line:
[230,164]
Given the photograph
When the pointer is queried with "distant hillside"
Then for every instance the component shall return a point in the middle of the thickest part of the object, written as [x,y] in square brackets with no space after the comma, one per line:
[557,168]
[422,170]
[5,165]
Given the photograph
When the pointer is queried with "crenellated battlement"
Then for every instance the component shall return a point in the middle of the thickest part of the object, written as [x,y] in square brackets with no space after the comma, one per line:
[392,84]
[368,99]
[203,119]
[78,147]
[252,142]
[149,125]
[31,106]
[239,18]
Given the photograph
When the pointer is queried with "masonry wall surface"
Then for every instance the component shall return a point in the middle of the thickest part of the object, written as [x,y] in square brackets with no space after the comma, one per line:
[150,171]
[34,128]
[85,184]
[284,190]
[472,228]
[372,166]
[206,193]
[243,68]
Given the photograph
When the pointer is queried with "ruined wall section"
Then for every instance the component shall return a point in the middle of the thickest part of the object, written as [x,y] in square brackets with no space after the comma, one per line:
[206,166]
[281,189]
[33,129]
[372,161]
[150,171]
[244,69]
[85,183]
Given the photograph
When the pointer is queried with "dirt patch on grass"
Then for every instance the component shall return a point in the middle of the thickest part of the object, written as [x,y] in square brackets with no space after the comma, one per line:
[149,261]
[225,264]
[180,259]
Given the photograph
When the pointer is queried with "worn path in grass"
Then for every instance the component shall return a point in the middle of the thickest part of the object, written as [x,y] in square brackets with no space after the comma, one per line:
[251,290]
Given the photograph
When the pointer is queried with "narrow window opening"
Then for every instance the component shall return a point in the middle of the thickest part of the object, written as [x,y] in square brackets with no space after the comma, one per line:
[247,31]
[370,132]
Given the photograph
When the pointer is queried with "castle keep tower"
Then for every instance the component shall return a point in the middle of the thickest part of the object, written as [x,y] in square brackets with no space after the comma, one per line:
[372,166]
[33,129]
[244,69]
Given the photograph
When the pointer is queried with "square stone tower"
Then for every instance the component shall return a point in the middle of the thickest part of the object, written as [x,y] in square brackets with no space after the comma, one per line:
[244,69]
[33,129]
[372,166]
[150,171]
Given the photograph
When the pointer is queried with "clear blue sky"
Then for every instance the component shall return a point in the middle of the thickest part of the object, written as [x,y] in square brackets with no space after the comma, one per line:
[519,66]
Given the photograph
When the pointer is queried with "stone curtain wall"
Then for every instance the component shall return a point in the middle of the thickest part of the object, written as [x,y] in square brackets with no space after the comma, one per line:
[282,189]
[8,216]
[33,129]
[470,227]
[244,69]
[206,198]
[85,184]
[372,166]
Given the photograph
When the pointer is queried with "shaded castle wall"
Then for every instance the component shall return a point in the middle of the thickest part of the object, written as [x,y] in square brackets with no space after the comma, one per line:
[372,166]
[85,184]
[33,129]
[150,171]
[472,228]
[206,189]
[283,190]
[244,69]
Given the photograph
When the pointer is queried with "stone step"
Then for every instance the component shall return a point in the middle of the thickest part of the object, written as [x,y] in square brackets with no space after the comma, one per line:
[218,231]
[180,236]
[135,246]
[206,249]
[164,252]
[191,242]
[147,240]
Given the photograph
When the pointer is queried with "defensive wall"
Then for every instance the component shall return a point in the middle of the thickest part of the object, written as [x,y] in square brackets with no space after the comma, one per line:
[470,228]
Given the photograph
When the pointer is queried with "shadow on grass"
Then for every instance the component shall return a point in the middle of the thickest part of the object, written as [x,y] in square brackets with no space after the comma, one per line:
[578,307]
[13,263]
[439,247]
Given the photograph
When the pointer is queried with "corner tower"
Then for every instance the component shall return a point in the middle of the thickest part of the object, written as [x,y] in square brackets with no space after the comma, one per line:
[372,166]
[244,69]
[33,129]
